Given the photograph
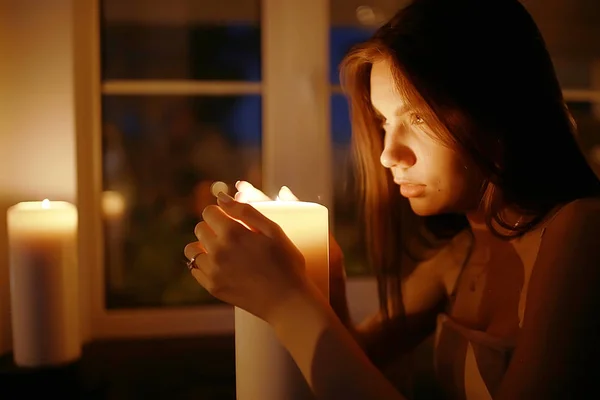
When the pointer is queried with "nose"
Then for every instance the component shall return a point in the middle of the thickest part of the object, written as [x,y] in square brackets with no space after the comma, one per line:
[396,154]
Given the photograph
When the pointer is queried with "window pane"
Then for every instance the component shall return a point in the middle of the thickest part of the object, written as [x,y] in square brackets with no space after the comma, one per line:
[587,116]
[160,157]
[342,38]
[181,39]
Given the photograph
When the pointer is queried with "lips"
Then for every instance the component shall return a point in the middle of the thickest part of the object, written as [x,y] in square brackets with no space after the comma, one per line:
[410,189]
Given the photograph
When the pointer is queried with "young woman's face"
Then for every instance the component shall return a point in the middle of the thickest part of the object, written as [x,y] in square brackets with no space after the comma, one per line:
[432,176]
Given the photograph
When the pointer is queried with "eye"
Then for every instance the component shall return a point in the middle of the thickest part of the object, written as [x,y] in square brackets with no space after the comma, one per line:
[416,119]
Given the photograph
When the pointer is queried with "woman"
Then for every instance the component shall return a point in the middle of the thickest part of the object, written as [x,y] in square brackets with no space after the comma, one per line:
[483,219]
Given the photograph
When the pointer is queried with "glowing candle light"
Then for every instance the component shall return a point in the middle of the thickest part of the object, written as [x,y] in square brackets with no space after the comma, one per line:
[44,283]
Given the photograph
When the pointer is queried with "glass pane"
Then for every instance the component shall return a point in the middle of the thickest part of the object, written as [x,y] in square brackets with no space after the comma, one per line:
[181,39]
[342,38]
[160,157]
[587,116]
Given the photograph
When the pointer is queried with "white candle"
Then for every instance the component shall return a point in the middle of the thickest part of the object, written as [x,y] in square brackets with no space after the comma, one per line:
[264,368]
[44,283]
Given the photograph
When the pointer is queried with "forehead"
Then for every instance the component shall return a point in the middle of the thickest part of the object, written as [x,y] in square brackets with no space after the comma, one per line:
[383,87]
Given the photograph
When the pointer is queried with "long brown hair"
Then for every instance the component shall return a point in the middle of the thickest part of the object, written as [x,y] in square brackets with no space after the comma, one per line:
[481,73]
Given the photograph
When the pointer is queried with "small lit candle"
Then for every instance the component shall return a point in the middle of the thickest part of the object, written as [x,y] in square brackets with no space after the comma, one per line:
[44,283]
[113,210]
[113,204]
[264,368]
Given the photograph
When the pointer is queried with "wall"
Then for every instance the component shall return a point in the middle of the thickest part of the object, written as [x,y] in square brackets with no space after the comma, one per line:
[37,118]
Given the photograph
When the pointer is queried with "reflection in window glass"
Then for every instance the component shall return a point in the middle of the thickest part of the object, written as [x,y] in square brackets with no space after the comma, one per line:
[160,157]
[181,39]
[587,116]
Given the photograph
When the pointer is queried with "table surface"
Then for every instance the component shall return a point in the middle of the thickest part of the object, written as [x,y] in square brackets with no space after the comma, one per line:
[178,368]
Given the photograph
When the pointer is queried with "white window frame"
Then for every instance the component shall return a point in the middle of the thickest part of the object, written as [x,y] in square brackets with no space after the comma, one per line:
[296,118]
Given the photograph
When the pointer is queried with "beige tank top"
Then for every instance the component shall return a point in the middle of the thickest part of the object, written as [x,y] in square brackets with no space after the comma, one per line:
[470,364]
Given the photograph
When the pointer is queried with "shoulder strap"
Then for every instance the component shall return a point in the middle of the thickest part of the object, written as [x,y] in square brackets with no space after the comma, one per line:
[464,263]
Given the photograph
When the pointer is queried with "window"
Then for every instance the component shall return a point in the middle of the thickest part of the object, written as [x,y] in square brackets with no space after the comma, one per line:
[191,92]
[181,109]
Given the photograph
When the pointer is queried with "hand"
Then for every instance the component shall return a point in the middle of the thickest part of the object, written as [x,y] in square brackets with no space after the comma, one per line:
[247,193]
[245,259]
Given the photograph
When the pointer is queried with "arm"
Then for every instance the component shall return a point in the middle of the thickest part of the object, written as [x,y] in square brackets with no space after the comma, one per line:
[326,353]
[329,355]
[558,351]
[424,294]
[423,297]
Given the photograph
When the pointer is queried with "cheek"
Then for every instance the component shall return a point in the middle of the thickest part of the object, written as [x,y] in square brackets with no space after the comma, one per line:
[451,177]
[466,183]
[443,167]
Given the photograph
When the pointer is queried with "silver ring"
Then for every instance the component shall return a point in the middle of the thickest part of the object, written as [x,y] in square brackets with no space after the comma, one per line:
[192,263]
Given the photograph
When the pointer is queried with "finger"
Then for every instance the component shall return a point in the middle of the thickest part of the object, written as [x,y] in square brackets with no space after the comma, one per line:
[221,222]
[240,197]
[286,194]
[193,250]
[205,234]
[199,273]
[250,196]
[243,185]
[248,193]
[201,278]
[248,215]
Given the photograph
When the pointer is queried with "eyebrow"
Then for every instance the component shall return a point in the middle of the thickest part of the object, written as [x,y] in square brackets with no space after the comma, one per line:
[399,112]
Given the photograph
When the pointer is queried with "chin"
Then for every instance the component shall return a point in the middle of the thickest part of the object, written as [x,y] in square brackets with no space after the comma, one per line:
[424,207]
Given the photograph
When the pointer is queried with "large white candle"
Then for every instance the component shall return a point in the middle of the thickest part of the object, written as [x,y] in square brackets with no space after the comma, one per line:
[264,368]
[44,283]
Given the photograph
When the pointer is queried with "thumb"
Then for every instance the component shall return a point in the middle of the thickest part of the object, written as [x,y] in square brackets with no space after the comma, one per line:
[248,215]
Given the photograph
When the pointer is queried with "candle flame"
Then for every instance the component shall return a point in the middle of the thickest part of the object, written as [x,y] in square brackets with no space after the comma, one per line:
[46,204]
[113,203]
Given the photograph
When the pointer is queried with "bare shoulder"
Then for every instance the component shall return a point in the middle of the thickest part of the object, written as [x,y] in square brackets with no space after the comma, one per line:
[576,221]
[432,280]
[449,261]
[570,249]
[557,351]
